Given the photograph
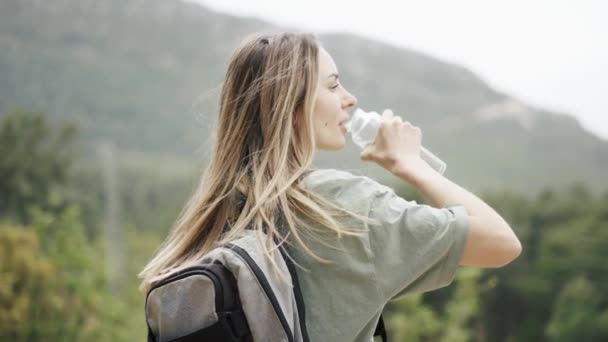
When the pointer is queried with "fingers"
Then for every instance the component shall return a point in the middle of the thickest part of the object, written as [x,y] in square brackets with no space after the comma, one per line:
[394,134]
[366,154]
[389,118]
[387,114]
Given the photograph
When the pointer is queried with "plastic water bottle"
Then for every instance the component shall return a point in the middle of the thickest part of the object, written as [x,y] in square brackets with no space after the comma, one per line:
[363,127]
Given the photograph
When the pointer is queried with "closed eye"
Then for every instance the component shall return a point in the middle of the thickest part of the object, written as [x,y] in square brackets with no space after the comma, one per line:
[334,87]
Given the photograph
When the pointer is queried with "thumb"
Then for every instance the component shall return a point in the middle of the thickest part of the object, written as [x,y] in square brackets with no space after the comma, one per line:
[365,154]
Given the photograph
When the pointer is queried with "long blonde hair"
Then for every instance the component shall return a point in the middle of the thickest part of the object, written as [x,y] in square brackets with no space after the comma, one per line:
[263,146]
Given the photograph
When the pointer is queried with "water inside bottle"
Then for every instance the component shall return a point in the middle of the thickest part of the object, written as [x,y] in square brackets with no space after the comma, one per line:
[361,141]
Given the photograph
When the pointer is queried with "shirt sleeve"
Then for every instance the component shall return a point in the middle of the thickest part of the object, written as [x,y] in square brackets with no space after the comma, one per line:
[416,247]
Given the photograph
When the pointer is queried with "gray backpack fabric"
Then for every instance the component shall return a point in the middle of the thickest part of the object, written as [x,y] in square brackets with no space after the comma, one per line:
[184,305]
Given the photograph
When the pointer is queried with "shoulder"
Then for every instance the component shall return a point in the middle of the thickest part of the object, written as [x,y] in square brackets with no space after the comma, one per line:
[341,183]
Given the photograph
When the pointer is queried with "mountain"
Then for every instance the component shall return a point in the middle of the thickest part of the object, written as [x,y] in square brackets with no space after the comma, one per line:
[145,75]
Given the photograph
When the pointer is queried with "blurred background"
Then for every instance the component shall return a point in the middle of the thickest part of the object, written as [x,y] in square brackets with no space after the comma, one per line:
[105,115]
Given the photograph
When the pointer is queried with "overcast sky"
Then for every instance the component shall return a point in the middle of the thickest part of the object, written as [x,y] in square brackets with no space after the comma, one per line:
[547,53]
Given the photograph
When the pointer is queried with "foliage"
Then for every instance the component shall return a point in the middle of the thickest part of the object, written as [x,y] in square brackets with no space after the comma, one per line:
[578,313]
[31,297]
[53,255]
[34,165]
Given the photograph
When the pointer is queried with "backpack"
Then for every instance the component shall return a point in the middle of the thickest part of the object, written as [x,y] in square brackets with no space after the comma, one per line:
[230,295]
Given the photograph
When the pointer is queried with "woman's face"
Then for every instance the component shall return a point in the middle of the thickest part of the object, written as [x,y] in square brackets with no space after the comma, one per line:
[332,106]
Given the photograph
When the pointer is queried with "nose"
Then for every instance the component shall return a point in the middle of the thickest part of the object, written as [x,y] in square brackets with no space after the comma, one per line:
[350,101]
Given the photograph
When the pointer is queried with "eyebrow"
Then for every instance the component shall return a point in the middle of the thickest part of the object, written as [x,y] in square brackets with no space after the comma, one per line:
[334,75]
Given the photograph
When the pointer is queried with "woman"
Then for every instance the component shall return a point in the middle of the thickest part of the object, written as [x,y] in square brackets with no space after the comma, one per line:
[357,243]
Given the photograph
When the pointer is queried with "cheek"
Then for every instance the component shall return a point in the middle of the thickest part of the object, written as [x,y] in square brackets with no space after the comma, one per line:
[326,107]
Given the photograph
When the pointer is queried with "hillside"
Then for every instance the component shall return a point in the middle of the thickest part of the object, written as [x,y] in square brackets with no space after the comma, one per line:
[144,74]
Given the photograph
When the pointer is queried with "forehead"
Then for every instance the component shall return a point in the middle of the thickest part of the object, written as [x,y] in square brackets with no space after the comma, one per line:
[326,63]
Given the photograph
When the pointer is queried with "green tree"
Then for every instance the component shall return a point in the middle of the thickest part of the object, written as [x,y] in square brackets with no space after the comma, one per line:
[409,319]
[34,303]
[34,164]
[564,234]
[577,314]
[462,308]
[53,287]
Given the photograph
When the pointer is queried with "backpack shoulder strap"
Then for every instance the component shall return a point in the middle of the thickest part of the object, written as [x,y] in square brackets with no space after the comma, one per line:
[266,287]
[276,301]
[380,331]
[296,291]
